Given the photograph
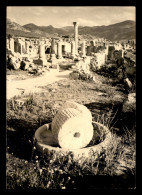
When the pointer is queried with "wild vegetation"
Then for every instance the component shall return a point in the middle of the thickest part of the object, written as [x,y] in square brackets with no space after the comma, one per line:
[114,168]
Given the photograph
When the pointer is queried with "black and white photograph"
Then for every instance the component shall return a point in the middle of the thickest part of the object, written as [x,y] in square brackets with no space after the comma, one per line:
[70,97]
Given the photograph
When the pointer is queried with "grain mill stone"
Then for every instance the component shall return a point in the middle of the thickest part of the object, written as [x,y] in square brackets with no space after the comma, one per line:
[73,130]
[72,127]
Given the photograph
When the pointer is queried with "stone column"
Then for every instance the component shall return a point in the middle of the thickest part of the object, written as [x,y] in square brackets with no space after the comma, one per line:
[42,51]
[56,50]
[42,59]
[83,50]
[7,43]
[11,44]
[52,55]
[76,36]
[59,50]
[105,58]
[27,44]
[72,49]
[20,46]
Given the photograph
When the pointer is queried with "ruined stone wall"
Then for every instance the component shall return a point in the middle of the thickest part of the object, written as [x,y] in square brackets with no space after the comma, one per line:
[100,58]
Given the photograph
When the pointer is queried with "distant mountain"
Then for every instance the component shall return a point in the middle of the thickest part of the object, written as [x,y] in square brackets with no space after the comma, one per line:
[119,31]
[18,30]
[15,26]
[47,29]
[113,32]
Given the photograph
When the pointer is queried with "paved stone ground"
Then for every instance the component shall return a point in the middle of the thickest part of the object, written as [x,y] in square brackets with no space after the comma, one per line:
[33,84]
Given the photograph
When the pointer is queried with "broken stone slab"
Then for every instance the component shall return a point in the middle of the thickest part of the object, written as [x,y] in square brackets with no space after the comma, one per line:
[74,75]
[128,82]
[13,59]
[16,66]
[130,104]
[24,65]
[33,71]
[132,98]
[27,59]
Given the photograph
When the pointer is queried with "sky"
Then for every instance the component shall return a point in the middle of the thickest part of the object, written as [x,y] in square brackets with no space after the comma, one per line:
[60,16]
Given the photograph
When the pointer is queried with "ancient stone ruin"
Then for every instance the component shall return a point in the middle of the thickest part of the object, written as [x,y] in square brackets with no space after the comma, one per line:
[38,55]
[71,130]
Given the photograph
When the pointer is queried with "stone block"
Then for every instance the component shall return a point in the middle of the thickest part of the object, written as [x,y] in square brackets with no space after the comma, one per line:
[74,75]
[40,61]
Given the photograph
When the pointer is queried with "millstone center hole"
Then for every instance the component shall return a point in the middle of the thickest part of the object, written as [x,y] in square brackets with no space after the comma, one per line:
[77,134]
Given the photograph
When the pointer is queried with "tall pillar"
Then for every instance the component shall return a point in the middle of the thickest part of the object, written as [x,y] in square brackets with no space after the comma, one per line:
[42,58]
[72,49]
[11,44]
[56,50]
[7,43]
[59,50]
[20,46]
[52,55]
[27,44]
[83,51]
[76,36]
[42,51]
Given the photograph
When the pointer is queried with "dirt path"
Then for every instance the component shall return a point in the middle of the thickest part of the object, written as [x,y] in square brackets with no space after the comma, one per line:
[33,84]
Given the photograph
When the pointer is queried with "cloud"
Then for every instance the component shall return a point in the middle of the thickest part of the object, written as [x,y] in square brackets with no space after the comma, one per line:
[85,22]
[36,11]
[64,15]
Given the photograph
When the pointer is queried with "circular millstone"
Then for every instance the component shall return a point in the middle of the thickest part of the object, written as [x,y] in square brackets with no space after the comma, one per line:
[81,108]
[71,129]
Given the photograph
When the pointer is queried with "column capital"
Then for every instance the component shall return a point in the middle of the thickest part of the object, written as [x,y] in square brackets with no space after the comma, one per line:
[75,23]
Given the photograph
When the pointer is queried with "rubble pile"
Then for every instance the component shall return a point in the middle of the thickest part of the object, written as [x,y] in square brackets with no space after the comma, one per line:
[16,62]
[82,70]
[13,61]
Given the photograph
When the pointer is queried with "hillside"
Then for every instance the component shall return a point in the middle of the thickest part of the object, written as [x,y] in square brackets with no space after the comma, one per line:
[18,30]
[15,26]
[119,31]
[46,29]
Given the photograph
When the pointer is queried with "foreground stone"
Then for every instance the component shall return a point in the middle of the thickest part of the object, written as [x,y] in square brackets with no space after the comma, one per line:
[130,104]
[46,144]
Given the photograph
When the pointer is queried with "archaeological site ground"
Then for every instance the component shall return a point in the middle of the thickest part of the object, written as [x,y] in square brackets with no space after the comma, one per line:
[70,110]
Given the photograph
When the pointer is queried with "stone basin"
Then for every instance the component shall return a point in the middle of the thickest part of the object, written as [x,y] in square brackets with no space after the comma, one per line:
[46,144]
